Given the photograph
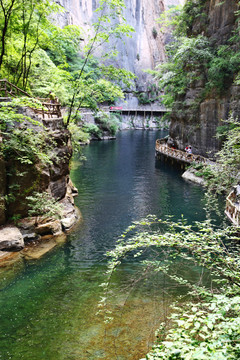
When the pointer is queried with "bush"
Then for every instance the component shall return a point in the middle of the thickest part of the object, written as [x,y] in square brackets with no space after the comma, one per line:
[107,122]
[93,130]
[78,136]
[154,32]
[44,204]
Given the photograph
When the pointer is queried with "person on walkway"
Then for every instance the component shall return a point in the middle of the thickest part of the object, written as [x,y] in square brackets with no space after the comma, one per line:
[52,97]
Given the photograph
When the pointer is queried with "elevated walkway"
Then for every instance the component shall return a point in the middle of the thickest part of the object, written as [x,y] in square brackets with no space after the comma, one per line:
[178,155]
[232,210]
[147,111]
[50,108]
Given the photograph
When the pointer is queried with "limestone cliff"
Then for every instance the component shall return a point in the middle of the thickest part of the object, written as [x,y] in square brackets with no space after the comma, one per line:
[198,126]
[146,47]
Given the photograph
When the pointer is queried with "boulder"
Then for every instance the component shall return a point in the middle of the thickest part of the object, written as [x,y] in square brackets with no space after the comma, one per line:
[68,222]
[190,175]
[52,227]
[11,238]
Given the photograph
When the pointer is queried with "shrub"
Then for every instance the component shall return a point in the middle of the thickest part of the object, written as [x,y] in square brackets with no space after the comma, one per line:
[93,130]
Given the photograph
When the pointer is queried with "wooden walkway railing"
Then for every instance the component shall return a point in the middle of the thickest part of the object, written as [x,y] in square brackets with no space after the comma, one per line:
[9,89]
[182,156]
[49,108]
[233,208]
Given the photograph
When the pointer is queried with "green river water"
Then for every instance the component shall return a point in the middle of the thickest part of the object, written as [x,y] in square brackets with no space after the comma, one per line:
[48,306]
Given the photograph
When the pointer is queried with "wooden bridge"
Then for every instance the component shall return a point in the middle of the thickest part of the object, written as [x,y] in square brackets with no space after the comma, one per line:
[49,107]
[181,156]
[139,111]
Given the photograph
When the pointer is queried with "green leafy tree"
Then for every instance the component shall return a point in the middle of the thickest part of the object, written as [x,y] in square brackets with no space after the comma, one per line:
[110,23]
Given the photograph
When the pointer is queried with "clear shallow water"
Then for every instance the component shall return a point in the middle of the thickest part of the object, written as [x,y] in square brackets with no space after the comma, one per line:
[48,307]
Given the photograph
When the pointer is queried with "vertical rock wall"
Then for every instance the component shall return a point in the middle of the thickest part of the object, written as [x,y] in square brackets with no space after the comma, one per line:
[20,180]
[198,127]
[146,47]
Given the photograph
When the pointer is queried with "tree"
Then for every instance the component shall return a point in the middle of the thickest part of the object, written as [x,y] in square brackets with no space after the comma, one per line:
[106,26]
[7,8]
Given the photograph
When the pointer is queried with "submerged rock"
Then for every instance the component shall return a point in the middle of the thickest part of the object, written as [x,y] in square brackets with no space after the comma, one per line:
[11,238]
[8,258]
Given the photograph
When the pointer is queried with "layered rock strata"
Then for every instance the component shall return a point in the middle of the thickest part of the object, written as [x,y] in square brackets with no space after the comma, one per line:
[198,126]
[20,180]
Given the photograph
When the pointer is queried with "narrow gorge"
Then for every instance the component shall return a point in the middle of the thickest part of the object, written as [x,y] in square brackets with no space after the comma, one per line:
[107,251]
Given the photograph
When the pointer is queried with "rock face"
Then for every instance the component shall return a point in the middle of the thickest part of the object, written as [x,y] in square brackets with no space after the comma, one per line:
[198,127]
[20,180]
[146,47]
[37,177]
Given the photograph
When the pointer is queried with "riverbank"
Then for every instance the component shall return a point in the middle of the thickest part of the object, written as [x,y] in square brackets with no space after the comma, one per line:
[49,305]
[32,246]
[39,233]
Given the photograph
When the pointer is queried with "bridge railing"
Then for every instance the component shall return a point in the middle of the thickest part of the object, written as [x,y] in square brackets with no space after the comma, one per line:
[9,89]
[233,209]
[49,108]
[180,155]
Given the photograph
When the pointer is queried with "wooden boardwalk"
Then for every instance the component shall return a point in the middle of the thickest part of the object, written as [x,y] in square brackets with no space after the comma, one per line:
[233,208]
[49,108]
[140,111]
[181,156]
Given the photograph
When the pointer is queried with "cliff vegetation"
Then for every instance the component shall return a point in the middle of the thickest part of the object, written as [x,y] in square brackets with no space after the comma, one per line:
[201,76]
[39,57]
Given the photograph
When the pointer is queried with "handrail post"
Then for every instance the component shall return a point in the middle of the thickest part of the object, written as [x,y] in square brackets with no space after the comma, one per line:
[5,87]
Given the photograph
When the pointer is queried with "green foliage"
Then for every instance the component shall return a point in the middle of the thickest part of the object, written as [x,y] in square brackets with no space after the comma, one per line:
[222,68]
[41,57]
[78,136]
[92,130]
[43,204]
[24,30]
[192,57]
[107,122]
[208,326]
[192,11]
[226,170]
[188,59]
[154,33]
[21,142]
[144,99]
[204,330]
[110,23]
[63,45]
[46,76]
[149,96]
